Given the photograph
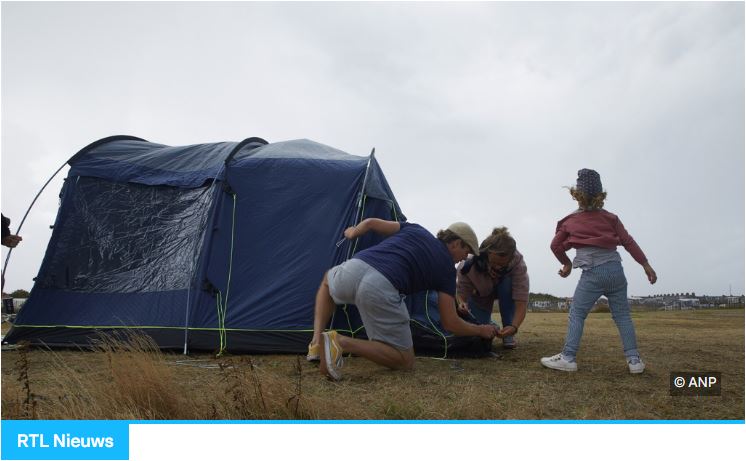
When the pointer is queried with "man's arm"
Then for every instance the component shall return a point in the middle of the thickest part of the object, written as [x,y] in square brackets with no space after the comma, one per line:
[453,323]
[379,226]
[464,289]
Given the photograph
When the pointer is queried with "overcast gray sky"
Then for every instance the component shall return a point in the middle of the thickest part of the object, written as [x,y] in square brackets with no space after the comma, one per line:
[479,112]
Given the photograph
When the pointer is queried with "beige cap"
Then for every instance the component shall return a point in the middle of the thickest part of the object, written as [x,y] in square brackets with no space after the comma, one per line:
[466,233]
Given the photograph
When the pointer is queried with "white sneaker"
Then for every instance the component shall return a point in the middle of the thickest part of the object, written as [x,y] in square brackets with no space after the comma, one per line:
[635,365]
[559,362]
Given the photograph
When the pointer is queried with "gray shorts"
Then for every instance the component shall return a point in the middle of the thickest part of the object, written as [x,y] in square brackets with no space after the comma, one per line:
[381,306]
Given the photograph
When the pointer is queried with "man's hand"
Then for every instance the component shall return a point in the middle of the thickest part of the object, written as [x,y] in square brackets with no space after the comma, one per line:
[12,241]
[350,232]
[487,331]
[565,270]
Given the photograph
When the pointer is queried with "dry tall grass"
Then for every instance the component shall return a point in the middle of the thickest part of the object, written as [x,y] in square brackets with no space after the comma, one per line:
[132,379]
[126,379]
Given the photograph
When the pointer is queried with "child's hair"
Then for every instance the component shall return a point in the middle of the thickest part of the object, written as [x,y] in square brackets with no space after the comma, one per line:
[499,241]
[588,203]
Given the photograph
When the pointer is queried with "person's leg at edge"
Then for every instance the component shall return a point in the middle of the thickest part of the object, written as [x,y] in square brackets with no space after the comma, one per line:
[586,294]
[620,312]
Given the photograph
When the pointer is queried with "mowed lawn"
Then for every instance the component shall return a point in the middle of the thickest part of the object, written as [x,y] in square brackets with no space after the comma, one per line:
[116,384]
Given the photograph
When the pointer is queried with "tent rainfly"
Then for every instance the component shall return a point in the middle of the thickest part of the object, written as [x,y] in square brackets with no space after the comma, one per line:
[208,247]
[216,247]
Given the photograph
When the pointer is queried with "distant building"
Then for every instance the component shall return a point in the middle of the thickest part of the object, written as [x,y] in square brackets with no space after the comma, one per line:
[688,303]
[669,302]
[732,300]
[541,304]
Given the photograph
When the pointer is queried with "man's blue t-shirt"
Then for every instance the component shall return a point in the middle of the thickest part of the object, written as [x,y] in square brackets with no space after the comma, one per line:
[413,260]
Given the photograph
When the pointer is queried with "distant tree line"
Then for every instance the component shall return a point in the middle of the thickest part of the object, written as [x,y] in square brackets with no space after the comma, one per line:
[544,297]
[19,294]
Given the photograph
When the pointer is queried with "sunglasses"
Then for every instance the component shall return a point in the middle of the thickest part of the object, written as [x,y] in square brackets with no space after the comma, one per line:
[500,254]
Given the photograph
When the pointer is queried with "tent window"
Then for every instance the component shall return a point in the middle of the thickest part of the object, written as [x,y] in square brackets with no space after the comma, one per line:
[124,238]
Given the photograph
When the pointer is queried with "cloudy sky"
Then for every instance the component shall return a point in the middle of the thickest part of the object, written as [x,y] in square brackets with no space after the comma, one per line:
[479,112]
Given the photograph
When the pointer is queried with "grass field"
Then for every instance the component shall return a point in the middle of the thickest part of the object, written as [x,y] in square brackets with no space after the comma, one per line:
[119,382]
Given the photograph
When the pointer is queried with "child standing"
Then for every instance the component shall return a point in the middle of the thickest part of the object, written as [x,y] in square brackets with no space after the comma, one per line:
[595,233]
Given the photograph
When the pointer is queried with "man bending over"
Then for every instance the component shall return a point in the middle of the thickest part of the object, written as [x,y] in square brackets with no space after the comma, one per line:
[376,280]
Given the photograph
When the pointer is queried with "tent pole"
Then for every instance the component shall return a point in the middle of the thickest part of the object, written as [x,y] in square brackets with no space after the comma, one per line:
[186,329]
[358,214]
[7,257]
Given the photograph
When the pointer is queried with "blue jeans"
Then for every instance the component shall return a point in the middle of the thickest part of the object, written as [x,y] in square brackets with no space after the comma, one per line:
[607,279]
[503,291]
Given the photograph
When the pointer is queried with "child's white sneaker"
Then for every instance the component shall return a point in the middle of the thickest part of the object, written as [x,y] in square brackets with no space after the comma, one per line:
[635,365]
[559,362]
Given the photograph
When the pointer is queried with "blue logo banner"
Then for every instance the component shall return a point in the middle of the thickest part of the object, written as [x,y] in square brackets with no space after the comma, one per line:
[53,440]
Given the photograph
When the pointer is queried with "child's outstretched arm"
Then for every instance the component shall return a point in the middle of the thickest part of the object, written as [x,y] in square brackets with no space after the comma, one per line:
[558,249]
[629,243]
[634,249]
[652,276]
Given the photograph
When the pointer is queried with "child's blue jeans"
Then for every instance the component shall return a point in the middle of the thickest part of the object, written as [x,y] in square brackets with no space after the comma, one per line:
[605,280]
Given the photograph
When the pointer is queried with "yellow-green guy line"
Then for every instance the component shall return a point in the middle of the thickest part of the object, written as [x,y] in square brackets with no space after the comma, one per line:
[445,340]
[223,307]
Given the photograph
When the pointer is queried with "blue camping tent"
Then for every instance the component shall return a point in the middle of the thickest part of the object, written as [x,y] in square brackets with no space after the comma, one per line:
[209,247]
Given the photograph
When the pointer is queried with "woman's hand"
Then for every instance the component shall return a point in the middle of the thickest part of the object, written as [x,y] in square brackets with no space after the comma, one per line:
[509,330]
